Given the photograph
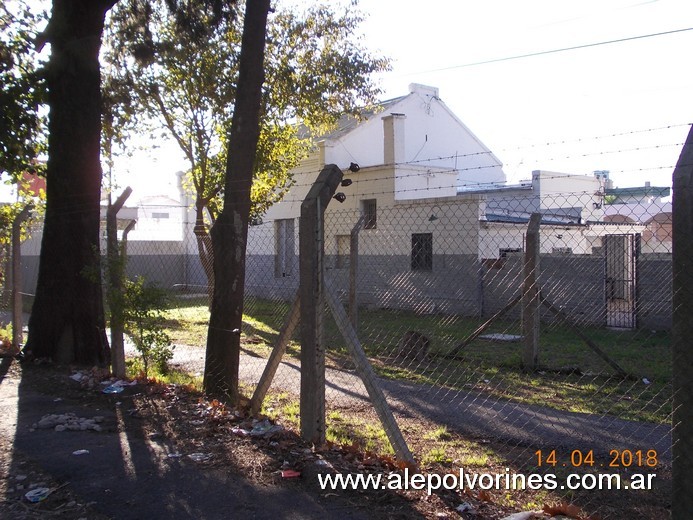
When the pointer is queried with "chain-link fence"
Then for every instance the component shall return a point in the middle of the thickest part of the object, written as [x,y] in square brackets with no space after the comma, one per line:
[435,291]
[440,298]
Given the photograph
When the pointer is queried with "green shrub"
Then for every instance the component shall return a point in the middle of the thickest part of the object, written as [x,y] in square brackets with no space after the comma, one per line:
[143,315]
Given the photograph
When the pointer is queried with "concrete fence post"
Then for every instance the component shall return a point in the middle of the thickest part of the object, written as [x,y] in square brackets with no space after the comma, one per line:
[530,295]
[682,332]
[311,251]
[17,300]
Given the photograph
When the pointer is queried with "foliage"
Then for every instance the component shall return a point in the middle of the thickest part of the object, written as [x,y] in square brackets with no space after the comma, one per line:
[22,90]
[10,212]
[315,69]
[143,314]
[117,122]
[22,137]
[6,333]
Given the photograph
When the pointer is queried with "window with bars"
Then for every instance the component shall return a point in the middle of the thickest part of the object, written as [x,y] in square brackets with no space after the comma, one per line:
[370,212]
[284,247]
[422,252]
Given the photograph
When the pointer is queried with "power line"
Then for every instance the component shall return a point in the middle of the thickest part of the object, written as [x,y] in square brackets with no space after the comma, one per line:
[553,51]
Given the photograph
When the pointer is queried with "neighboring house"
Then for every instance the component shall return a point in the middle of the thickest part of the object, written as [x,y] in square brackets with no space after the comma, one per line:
[643,205]
[412,147]
[438,219]
[413,154]
[572,208]
[160,246]
[159,218]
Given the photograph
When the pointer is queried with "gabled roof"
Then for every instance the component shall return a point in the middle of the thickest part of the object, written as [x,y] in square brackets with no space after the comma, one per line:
[347,123]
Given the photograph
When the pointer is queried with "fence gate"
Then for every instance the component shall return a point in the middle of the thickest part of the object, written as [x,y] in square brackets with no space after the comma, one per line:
[620,256]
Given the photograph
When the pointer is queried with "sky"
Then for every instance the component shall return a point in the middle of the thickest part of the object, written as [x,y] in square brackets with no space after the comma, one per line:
[623,106]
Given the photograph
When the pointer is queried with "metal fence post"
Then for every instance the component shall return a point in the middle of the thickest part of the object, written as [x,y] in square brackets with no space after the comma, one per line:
[682,332]
[311,251]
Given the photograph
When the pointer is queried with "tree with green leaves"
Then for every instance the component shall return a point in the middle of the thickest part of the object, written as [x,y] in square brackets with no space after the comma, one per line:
[186,81]
[22,91]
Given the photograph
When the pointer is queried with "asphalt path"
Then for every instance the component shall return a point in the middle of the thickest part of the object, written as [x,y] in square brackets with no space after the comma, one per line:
[467,412]
[124,474]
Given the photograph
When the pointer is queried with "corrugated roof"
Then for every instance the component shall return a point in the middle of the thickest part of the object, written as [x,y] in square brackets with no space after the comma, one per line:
[646,191]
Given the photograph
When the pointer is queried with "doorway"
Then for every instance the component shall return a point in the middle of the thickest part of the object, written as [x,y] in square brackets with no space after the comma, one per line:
[620,287]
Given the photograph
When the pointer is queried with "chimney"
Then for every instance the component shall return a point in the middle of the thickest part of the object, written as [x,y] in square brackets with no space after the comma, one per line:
[393,144]
[424,90]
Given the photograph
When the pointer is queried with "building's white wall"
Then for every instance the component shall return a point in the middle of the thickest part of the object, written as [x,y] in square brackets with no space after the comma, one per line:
[494,236]
[159,219]
[433,137]
[304,176]
[421,182]
[563,190]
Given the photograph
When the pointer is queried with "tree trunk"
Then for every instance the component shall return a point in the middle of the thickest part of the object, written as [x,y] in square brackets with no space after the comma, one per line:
[230,231]
[67,318]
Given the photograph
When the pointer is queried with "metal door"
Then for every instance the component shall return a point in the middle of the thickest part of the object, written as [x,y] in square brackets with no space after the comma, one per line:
[620,287]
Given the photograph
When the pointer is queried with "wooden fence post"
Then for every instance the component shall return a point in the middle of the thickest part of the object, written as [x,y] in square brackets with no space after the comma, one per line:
[682,332]
[530,295]
[311,251]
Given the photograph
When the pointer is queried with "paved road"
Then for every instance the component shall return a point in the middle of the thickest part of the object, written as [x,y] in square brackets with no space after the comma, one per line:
[467,412]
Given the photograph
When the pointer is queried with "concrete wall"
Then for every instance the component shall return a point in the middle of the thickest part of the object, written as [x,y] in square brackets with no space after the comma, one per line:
[654,287]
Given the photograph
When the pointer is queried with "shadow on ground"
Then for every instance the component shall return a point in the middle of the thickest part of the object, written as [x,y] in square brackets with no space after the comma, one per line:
[130,474]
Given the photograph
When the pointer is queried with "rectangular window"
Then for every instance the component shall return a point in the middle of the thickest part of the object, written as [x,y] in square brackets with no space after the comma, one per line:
[284,247]
[370,212]
[562,250]
[343,246]
[422,252]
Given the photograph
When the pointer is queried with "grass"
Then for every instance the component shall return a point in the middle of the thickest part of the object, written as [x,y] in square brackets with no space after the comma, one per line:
[343,429]
[134,369]
[282,405]
[435,456]
[439,434]
[188,318]
[352,431]
[572,378]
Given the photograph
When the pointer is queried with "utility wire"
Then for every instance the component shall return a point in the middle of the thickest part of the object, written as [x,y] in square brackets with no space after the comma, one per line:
[553,51]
